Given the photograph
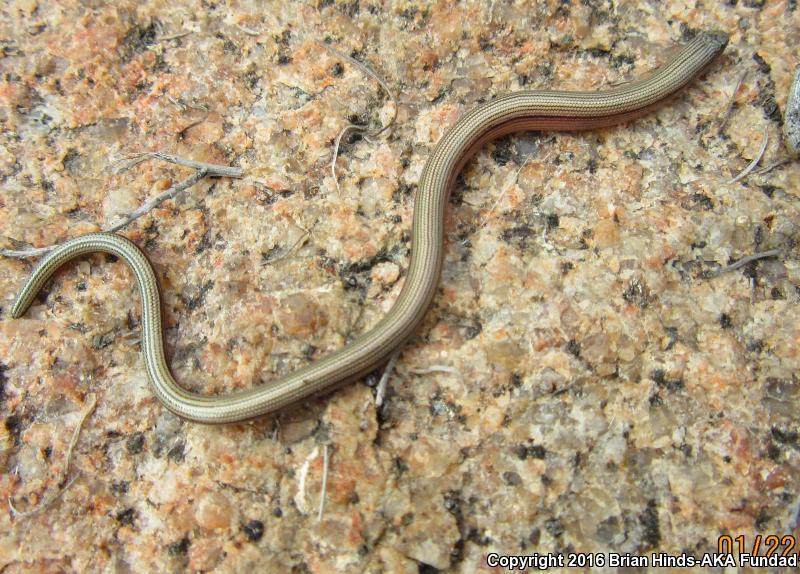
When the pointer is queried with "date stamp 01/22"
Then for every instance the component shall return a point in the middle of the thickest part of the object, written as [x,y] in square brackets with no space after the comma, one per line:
[765,552]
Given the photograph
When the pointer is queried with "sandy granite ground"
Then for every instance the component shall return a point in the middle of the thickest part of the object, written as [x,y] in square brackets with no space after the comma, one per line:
[580,384]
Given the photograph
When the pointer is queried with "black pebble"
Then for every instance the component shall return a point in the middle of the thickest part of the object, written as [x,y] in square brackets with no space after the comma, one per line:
[254,530]
[135,443]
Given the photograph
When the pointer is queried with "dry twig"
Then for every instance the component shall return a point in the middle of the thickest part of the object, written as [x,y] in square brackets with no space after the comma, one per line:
[248,31]
[174,36]
[159,199]
[300,241]
[203,170]
[352,127]
[214,170]
[754,163]
[387,372]
[743,261]
[364,68]
[726,116]
[436,369]
[324,488]
[48,500]
[347,128]
[773,165]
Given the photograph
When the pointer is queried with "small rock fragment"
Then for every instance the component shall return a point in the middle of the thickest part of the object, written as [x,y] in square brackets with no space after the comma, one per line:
[213,511]
[606,233]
